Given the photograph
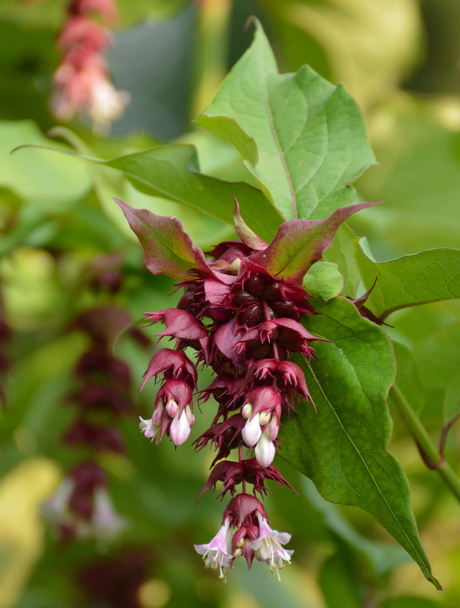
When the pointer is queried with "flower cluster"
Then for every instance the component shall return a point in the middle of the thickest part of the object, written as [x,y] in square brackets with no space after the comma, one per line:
[253,538]
[244,323]
[82,83]
[242,313]
[81,506]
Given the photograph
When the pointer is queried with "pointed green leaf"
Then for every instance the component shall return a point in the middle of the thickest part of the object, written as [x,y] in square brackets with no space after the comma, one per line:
[300,243]
[324,280]
[310,135]
[342,447]
[428,276]
[172,172]
[167,248]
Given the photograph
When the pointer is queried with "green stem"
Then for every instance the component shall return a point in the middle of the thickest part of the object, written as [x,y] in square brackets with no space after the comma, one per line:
[424,442]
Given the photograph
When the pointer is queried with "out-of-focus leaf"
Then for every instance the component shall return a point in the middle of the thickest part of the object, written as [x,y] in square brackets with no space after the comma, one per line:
[413,602]
[418,176]
[135,11]
[53,182]
[265,590]
[428,276]
[369,46]
[309,135]
[408,377]
[324,280]
[381,557]
[438,356]
[451,405]
[340,583]
[342,446]
[52,12]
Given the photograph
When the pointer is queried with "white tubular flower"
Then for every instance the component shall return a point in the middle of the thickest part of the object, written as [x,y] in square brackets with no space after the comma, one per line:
[252,431]
[216,552]
[267,546]
[148,428]
[265,450]
[180,428]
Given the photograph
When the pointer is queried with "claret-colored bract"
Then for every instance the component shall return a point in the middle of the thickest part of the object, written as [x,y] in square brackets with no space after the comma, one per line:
[241,312]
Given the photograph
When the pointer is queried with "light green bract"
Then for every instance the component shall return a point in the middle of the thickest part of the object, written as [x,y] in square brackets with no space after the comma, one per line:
[324,280]
[302,138]
[342,446]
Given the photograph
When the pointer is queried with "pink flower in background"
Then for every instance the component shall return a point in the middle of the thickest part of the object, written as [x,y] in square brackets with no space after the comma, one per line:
[82,83]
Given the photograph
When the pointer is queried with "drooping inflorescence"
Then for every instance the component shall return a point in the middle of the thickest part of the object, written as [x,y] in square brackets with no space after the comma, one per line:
[82,82]
[241,313]
[82,506]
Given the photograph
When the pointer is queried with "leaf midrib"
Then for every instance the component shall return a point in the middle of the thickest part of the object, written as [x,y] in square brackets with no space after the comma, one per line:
[344,431]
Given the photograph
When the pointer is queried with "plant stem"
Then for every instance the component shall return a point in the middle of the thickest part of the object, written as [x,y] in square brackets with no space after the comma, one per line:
[424,442]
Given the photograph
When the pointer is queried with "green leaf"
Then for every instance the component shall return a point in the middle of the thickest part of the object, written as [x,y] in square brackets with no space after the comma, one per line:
[300,243]
[324,280]
[408,377]
[310,135]
[428,276]
[172,172]
[342,447]
[54,183]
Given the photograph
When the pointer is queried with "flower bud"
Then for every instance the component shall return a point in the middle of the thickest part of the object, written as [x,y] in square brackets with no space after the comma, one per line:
[180,429]
[264,450]
[157,412]
[264,417]
[172,408]
[252,431]
[246,411]
[272,429]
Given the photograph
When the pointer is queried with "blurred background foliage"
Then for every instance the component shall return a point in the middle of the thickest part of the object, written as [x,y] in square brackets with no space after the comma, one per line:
[401,60]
